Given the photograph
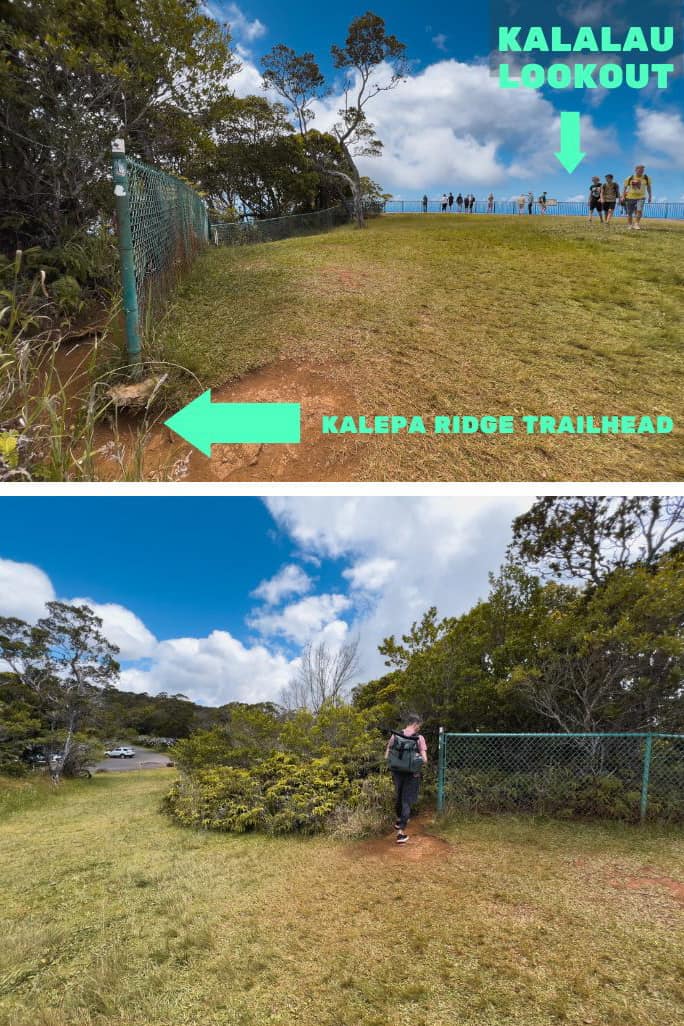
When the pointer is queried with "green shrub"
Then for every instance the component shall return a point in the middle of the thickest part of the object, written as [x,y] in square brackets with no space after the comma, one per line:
[368,813]
[281,794]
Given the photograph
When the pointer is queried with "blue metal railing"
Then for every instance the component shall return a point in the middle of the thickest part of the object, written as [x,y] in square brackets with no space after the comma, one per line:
[670,211]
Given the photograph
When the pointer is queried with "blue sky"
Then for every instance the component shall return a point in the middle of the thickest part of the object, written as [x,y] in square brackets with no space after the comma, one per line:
[450,126]
[216,597]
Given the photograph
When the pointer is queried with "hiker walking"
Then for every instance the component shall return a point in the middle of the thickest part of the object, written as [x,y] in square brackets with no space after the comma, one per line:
[634,195]
[406,754]
[594,200]
[610,193]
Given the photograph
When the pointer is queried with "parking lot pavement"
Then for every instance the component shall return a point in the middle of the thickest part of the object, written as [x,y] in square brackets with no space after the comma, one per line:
[144,758]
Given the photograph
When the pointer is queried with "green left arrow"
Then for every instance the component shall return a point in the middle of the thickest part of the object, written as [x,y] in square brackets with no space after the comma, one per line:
[203,423]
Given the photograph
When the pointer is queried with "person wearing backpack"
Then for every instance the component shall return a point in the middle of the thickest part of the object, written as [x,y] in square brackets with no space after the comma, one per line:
[406,754]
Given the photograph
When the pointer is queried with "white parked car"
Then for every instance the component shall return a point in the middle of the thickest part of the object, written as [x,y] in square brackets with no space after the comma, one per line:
[120,753]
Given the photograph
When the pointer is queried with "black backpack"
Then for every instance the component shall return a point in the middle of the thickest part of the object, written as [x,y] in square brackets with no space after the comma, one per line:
[404,756]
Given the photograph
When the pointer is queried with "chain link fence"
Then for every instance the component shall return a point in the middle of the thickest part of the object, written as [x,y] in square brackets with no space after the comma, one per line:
[245,232]
[613,775]
[162,224]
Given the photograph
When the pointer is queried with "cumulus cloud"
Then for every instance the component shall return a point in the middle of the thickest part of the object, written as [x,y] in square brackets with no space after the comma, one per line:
[290,580]
[242,28]
[303,621]
[440,41]
[452,118]
[24,590]
[661,133]
[426,551]
[123,628]
[213,670]
[370,574]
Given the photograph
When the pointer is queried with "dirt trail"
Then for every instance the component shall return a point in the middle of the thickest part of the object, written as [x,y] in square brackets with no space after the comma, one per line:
[675,888]
[420,845]
[316,458]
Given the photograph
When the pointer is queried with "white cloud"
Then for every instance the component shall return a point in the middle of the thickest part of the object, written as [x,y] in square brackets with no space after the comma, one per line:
[302,622]
[453,122]
[213,670]
[425,551]
[370,574]
[24,590]
[661,133]
[440,41]
[241,27]
[123,628]
[290,580]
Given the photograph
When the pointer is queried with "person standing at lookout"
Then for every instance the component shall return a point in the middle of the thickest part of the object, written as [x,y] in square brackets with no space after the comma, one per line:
[610,191]
[490,203]
[595,190]
[406,754]
[451,201]
[530,202]
[459,202]
[444,202]
[634,195]
[425,204]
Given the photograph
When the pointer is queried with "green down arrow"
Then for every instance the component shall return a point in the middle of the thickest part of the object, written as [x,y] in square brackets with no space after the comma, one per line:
[203,423]
[570,155]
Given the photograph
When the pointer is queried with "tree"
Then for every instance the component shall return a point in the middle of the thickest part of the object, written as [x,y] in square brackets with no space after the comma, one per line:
[613,658]
[323,676]
[64,661]
[587,537]
[373,62]
[74,75]
[253,159]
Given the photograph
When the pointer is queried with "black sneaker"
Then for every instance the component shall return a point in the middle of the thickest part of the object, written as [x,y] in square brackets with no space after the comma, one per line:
[402,838]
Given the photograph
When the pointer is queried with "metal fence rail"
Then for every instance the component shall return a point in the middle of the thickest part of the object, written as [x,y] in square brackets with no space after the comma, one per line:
[242,233]
[614,775]
[162,225]
[669,211]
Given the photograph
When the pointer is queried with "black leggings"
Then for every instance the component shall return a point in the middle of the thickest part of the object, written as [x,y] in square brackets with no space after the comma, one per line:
[406,787]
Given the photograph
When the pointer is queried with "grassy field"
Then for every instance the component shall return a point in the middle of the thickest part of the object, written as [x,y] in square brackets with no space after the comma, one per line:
[112,916]
[454,315]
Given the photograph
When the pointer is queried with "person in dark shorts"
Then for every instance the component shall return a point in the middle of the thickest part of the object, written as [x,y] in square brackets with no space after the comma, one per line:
[459,202]
[595,198]
[425,204]
[530,202]
[542,203]
[444,202]
[406,780]
[451,201]
[610,192]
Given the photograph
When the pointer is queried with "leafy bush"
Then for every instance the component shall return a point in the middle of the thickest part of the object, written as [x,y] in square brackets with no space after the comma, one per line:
[281,794]
[368,813]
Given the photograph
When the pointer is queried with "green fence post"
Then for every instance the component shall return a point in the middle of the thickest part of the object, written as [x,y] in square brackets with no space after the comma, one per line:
[648,748]
[440,771]
[123,219]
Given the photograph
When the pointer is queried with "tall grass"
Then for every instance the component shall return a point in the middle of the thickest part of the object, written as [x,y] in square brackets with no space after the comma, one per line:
[52,422]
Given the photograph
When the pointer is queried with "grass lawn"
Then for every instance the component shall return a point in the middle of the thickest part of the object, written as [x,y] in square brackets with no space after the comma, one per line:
[461,315]
[113,916]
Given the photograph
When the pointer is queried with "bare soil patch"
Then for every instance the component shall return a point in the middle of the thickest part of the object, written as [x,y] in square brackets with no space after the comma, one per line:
[316,458]
[420,845]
